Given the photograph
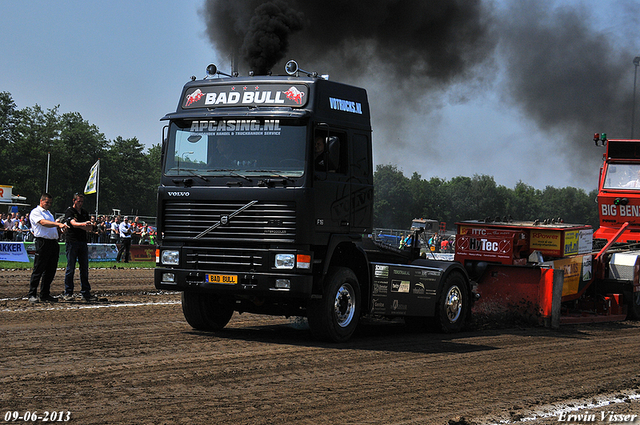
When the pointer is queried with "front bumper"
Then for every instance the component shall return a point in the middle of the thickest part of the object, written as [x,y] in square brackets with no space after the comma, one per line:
[248,284]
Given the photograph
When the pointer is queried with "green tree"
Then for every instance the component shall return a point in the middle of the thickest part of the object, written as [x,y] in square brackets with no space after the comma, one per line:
[524,202]
[392,198]
[32,138]
[128,182]
[8,128]
[37,135]
[79,146]
[459,195]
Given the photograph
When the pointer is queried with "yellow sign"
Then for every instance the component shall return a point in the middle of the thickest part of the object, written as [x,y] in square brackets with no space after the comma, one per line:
[545,240]
[571,242]
[577,270]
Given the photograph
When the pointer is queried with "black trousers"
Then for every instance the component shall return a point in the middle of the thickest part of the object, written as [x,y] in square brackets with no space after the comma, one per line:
[44,266]
[125,248]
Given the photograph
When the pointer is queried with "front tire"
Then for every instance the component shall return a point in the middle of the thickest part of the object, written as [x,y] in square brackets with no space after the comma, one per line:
[206,312]
[453,305]
[336,316]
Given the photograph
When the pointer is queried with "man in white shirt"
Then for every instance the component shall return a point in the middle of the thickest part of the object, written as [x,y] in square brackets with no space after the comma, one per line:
[7,225]
[114,229]
[46,230]
[125,240]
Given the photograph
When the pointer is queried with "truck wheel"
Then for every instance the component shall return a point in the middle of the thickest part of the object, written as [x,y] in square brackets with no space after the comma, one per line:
[633,306]
[206,312]
[336,315]
[454,303]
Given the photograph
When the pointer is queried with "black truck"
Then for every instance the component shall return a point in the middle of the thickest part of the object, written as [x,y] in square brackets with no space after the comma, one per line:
[266,205]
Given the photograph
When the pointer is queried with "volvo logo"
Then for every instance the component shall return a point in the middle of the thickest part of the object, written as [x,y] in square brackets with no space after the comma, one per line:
[224,219]
[178,193]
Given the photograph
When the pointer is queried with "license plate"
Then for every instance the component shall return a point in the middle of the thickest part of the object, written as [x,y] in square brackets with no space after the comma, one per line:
[229,279]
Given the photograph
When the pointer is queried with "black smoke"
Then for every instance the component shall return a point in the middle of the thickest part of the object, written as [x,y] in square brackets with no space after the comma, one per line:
[565,69]
[267,38]
[435,39]
[570,71]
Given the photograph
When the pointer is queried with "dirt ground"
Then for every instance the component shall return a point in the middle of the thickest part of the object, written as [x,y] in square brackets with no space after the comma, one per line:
[134,359]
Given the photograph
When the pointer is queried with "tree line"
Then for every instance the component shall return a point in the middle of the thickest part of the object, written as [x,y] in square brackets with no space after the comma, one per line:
[31,137]
[130,174]
[399,199]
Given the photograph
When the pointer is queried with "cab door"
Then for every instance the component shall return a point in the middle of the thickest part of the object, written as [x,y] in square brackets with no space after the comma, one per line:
[331,181]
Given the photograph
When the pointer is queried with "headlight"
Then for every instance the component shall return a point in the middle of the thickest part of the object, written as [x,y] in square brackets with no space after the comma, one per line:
[285,261]
[170,257]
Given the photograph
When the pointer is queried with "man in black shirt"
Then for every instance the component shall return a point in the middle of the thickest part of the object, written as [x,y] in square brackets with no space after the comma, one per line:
[79,223]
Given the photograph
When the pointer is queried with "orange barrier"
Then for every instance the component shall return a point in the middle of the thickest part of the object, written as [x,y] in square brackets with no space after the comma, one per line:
[515,291]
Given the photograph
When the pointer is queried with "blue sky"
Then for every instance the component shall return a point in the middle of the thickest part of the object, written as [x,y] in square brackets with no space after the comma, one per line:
[122,64]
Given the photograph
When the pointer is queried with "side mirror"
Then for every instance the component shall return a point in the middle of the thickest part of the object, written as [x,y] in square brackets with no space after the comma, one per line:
[165,135]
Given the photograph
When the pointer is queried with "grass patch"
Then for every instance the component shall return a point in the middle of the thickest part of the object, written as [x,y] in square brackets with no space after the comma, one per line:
[92,265]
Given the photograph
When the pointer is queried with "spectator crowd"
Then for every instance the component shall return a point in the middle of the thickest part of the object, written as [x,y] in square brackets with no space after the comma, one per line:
[15,227]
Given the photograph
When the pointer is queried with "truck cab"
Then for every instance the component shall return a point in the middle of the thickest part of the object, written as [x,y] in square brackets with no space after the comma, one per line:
[619,190]
[266,187]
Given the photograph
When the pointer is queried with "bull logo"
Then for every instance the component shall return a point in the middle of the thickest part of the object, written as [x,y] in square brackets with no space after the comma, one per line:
[194,97]
[294,94]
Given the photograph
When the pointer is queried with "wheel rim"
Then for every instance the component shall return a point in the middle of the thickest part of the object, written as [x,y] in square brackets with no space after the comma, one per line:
[453,304]
[344,305]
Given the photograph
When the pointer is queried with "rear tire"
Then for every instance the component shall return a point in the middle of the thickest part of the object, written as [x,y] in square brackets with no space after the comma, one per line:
[206,312]
[336,316]
[453,305]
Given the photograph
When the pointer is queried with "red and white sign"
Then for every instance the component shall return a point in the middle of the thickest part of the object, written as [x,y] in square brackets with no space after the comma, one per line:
[5,193]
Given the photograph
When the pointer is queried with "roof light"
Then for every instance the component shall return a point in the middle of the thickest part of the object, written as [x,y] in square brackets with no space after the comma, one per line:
[600,138]
[212,70]
[292,68]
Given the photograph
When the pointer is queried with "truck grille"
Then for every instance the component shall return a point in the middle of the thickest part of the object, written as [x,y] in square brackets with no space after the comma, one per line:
[264,222]
[230,259]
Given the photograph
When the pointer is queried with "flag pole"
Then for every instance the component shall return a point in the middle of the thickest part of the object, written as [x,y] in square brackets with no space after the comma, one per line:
[46,189]
[97,188]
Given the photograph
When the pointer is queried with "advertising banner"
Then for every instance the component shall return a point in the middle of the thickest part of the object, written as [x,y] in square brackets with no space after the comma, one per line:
[102,252]
[25,251]
[5,193]
[13,251]
[97,251]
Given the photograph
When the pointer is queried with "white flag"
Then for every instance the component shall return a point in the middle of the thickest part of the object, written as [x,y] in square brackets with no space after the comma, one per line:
[90,187]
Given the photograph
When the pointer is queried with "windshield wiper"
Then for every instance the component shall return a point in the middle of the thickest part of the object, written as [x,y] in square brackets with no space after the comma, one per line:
[193,173]
[232,172]
[271,182]
[276,174]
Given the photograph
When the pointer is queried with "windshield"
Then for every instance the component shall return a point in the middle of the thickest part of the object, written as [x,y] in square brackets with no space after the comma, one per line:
[622,176]
[249,147]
